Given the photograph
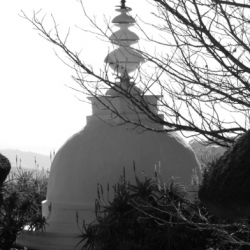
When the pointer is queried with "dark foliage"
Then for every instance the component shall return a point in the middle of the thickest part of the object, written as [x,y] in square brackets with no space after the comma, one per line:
[22,195]
[226,183]
[149,215]
[4,168]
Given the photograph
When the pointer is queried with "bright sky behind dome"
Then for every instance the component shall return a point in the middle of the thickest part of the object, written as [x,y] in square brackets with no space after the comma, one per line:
[38,111]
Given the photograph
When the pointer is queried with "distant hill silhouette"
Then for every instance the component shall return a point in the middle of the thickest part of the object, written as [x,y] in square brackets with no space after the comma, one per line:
[27,160]
[206,153]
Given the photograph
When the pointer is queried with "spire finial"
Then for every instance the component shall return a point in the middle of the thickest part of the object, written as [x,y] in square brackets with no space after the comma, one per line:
[124,60]
[123,4]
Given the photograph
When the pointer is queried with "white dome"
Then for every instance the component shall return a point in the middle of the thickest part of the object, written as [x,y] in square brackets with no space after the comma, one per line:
[99,153]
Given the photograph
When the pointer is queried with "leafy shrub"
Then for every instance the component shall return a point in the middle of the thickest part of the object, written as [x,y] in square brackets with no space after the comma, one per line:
[22,195]
[150,215]
[5,167]
[225,189]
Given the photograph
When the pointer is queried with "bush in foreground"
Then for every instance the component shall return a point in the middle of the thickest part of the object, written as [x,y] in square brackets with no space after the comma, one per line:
[22,195]
[225,189]
[150,215]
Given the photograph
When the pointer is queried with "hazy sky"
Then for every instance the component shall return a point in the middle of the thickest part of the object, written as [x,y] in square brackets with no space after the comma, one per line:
[37,111]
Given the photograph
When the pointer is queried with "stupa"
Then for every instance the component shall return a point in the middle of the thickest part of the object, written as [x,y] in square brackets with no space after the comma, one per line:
[99,152]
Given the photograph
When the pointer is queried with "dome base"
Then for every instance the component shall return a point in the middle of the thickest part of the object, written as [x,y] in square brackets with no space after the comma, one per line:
[64,226]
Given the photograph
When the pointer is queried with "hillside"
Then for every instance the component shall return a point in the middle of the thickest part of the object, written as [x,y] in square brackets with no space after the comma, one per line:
[206,153]
[202,152]
[27,160]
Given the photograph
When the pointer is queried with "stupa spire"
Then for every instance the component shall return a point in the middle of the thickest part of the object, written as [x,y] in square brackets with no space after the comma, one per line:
[123,4]
[125,59]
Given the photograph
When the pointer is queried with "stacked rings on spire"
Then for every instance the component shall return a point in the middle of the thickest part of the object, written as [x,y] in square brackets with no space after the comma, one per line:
[124,59]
